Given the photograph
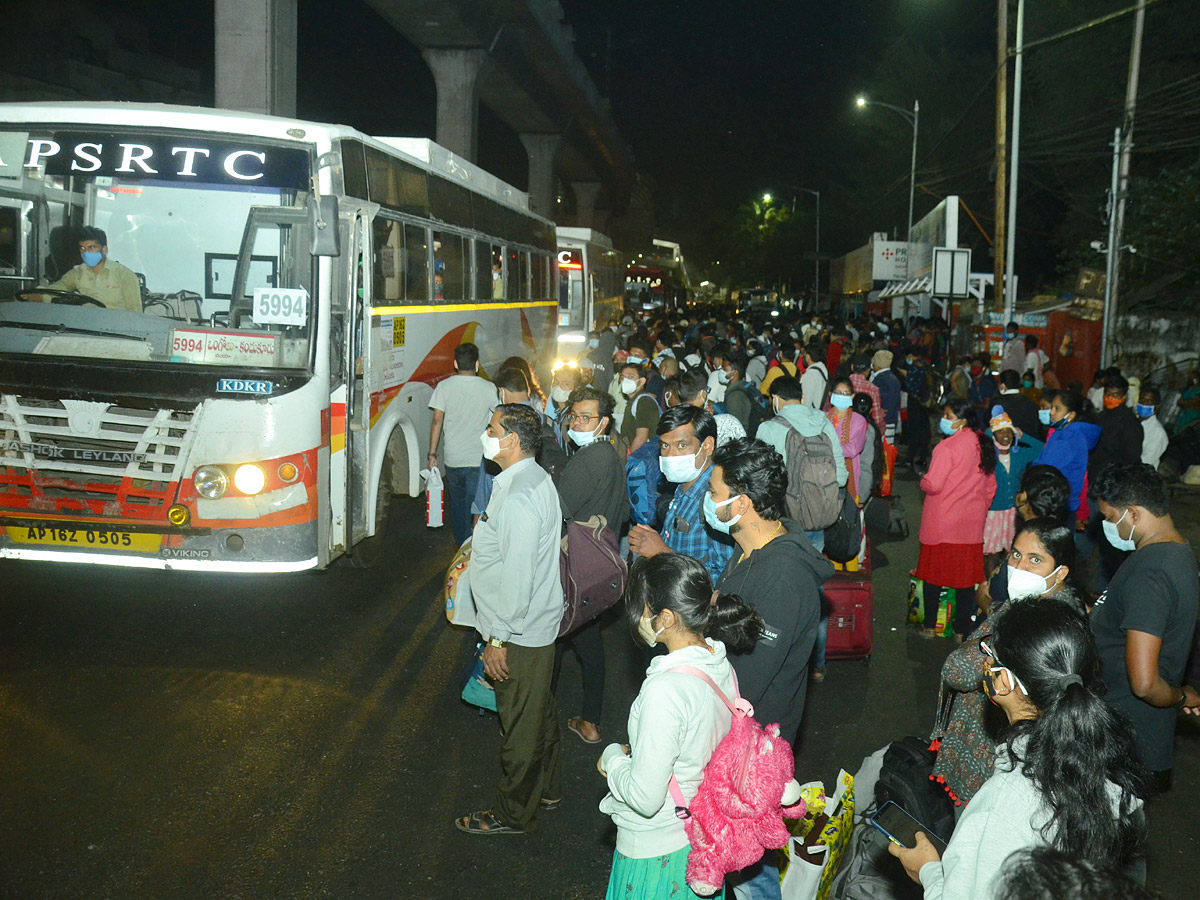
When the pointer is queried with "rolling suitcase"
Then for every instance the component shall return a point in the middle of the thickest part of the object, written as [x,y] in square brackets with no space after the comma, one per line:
[851,599]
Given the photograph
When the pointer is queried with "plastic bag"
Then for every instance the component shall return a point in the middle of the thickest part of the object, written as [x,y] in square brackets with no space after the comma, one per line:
[435,503]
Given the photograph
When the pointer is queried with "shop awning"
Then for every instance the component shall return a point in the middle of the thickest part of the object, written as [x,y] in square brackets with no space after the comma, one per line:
[912,286]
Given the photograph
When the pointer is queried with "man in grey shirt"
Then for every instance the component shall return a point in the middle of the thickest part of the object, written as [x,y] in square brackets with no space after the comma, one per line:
[519,605]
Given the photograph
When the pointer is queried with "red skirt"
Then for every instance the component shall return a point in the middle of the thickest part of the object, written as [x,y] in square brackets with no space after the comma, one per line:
[951,565]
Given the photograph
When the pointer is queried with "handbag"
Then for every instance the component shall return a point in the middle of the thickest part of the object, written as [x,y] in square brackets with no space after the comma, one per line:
[946,604]
[813,855]
[456,590]
[476,689]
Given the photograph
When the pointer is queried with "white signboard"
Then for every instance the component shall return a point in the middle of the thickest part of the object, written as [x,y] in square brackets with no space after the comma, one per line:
[951,272]
[224,348]
[890,260]
[280,306]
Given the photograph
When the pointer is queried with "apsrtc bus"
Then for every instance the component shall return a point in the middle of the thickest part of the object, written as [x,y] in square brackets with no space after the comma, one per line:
[303,288]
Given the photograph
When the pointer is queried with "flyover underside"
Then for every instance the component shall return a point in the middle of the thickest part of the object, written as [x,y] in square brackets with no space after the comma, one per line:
[532,80]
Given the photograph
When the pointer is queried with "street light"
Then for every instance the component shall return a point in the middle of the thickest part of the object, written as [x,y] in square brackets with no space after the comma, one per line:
[766,198]
[913,119]
[817,250]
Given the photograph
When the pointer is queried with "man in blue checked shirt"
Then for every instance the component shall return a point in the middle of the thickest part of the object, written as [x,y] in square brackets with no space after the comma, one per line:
[687,437]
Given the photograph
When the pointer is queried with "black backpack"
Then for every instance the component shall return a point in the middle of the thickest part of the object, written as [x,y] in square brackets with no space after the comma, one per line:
[907,780]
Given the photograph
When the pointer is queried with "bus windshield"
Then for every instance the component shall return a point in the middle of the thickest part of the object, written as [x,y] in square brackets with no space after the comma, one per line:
[126,247]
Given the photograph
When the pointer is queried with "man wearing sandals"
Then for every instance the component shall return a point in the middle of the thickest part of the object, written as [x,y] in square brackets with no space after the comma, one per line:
[519,604]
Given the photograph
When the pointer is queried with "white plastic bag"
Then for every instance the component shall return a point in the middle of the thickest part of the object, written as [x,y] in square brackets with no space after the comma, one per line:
[435,503]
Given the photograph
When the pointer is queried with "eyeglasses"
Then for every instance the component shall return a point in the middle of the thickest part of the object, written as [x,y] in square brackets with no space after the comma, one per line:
[576,417]
[987,651]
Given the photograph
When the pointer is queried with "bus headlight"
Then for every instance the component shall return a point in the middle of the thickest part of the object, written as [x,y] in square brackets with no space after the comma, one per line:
[249,479]
[211,482]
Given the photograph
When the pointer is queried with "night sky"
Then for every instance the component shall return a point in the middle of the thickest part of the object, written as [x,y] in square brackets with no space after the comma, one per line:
[721,101]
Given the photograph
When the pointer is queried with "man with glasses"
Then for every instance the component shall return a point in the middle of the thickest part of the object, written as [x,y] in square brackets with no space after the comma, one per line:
[591,484]
[103,279]
[687,438]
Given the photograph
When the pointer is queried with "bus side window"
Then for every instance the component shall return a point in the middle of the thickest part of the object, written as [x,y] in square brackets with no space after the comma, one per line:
[539,276]
[498,257]
[449,264]
[522,275]
[483,270]
[388,283]
[416,270]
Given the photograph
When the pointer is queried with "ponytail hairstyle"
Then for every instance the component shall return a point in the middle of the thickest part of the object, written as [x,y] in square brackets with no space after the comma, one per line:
[1078,742]
[681,584]
[965,410]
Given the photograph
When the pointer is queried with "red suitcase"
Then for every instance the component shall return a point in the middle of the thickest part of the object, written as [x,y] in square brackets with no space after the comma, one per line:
[851,599]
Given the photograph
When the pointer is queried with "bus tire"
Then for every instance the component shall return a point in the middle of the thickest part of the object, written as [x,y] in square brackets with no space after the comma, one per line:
[368,551]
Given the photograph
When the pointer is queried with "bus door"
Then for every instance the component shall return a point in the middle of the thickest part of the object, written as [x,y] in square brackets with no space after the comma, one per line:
[349,396]
[358,402]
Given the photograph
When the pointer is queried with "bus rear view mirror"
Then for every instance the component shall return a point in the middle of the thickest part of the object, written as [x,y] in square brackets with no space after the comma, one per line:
[323,222]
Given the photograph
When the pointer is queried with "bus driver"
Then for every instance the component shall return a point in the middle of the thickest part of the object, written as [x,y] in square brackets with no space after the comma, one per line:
[99,277]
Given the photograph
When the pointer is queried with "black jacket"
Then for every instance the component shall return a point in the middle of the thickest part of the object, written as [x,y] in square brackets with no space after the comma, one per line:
[592,483]
[1120,441]
[783,582]
[1023,412]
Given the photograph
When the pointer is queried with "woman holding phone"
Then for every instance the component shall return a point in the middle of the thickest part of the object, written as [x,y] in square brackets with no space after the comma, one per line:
[1066,773]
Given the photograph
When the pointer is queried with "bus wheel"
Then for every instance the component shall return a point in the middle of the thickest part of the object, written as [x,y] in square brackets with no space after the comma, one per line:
[368,551]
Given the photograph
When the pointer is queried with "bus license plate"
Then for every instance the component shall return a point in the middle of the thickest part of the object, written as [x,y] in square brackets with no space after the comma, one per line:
[85,538]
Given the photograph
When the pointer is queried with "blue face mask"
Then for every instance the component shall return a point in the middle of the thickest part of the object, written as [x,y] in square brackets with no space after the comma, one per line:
[1144,412]
[841,401]
[1044,416]
[91,258]
[710,513]
[947,426]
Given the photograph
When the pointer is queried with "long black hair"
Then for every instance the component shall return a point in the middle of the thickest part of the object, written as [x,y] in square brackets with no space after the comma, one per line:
[965,410]
[1078,742]
[681,584]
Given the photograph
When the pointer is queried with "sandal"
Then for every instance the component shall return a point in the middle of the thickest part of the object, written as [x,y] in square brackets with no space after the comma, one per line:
[573,725]
[484,822]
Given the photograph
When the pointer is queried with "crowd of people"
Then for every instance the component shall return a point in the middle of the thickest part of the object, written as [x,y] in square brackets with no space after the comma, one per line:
[709,445]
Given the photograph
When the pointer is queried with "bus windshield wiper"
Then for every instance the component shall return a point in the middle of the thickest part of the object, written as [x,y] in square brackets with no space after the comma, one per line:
[66,329]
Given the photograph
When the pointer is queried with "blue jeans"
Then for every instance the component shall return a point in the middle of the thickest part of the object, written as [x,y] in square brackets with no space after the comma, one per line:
[757,882]
[818,658]
[461,482]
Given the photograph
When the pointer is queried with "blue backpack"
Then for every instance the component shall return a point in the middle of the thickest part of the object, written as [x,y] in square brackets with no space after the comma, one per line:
[642,476]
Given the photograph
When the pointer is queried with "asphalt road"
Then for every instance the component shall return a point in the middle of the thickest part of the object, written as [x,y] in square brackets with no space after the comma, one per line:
[173,735]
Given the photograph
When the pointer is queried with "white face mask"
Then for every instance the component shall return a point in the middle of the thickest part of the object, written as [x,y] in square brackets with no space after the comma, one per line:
[1113,533]
[559,394]
[628,386]
[1023,584]
[646,631]
[491,445]
[722,376]
[582,438]
[680,469]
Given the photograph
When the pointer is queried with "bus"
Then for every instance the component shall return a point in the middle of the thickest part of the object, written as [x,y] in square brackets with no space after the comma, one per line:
[303,288]
[590,274]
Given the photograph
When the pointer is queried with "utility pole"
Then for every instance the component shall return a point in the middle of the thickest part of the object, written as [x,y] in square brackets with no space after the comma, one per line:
[1113,251]
[1114,246]
[1014,154]
[999,242]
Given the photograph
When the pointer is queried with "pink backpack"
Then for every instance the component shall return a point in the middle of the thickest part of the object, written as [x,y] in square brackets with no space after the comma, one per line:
[738,811]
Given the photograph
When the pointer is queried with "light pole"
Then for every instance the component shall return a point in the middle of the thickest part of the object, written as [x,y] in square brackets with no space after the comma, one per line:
[816,249]
[913,119]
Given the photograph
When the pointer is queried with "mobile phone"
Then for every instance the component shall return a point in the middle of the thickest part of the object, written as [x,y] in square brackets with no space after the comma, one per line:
[901,828]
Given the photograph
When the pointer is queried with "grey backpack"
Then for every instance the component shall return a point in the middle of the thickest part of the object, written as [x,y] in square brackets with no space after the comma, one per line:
[812,489]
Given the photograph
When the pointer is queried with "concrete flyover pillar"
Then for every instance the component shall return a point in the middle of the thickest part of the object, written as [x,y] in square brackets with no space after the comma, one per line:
[541,149]
[256,56]
[586,193]
[456,75]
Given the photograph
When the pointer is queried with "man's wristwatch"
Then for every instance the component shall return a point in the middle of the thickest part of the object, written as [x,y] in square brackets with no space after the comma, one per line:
[496,642]
[1182,701]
